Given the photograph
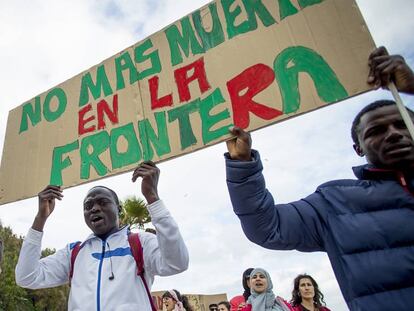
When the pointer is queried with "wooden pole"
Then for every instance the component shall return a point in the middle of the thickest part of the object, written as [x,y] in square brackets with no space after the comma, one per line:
[403,110]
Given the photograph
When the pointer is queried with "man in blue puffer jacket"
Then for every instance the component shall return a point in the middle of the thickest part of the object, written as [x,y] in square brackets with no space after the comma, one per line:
[364,225]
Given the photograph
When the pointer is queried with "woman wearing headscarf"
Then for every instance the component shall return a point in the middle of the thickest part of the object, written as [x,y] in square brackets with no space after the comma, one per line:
[262,297]
[174,301]
[306,295]
[238,302]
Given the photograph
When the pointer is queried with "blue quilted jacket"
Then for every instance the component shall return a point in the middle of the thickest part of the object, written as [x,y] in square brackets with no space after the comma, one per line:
[366,226]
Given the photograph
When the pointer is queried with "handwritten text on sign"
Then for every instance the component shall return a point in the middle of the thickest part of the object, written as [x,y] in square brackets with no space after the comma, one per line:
[229,63]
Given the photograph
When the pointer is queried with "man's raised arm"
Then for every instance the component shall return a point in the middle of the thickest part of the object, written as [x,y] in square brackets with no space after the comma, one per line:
[164,253]
[31,271]
[284,226]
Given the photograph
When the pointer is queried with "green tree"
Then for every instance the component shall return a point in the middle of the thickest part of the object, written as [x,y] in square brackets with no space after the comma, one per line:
[16,298]
[134,213]
[12,297]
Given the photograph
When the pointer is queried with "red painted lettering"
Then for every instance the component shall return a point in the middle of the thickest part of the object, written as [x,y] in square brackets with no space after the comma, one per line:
[82,129]
[103,109]
[156,102]
[255,79]
[183,80]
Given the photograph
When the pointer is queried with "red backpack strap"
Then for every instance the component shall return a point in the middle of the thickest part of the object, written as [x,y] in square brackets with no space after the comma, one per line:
[136,250]
[75,250]
[138,254]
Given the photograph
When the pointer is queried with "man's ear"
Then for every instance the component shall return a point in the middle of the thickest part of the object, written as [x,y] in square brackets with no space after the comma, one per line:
[358,150]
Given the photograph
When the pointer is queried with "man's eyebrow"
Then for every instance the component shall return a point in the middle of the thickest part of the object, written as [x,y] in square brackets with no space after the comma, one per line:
[375,123]
[98,197]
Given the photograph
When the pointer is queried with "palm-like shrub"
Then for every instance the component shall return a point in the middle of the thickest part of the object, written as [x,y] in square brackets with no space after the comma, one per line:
[134,213]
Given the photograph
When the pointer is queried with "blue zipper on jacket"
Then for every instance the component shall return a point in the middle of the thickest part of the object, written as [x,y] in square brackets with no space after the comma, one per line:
[98,296]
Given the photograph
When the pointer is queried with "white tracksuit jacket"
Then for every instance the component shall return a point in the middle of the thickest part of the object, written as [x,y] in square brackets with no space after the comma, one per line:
[164,254]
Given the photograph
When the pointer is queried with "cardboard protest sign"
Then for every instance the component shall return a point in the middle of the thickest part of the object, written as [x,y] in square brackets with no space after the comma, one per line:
[248,63]
[198,302]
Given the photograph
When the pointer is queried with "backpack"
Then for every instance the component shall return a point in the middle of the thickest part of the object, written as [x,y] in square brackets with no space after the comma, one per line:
[137,253]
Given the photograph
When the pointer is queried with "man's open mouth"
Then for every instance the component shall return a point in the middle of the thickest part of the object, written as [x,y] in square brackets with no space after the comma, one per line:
[95,220]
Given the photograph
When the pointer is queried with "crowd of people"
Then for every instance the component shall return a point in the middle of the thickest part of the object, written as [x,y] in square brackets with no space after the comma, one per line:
[364,225]
[259,295]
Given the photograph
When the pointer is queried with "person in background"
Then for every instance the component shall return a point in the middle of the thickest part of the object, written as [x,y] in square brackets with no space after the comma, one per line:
[174,301]
[238,302]
[213,307]
[306,295]
[262,297]
[223,306]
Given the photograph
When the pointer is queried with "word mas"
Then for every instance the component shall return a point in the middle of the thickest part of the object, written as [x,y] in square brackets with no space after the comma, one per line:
[147,138]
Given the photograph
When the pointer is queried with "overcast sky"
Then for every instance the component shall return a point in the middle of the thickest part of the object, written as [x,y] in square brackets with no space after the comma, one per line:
[43,43]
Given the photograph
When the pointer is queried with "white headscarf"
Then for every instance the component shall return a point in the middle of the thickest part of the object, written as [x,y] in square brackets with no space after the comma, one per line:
[265,301]
[178,304]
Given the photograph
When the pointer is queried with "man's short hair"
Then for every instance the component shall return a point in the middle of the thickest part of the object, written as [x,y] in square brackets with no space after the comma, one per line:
[370,107]
[114,195]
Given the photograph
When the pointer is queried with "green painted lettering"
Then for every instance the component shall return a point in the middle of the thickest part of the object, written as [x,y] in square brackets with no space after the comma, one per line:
[102,83]
[253,8]
[154,58]
[208,121]
[304,3]
[160,142]
[58,165]
[215,36]
[231,15]
[257,8]
[187,39]
[286,8]
[34,114]
[295,60]
[182,114]
[133,152]
[124,62]
[98,143]
[62,100]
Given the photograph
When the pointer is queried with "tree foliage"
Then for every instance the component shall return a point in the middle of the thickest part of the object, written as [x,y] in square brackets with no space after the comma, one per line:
[134,213]
[15,298]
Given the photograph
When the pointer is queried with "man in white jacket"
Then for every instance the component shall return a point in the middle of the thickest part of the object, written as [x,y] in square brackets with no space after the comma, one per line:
[104,275]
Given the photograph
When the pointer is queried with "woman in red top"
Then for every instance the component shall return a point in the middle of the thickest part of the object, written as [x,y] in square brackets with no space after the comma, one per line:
[306,295]
[238,302]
